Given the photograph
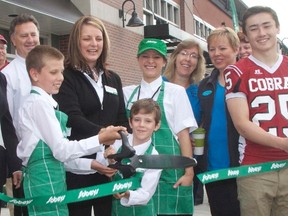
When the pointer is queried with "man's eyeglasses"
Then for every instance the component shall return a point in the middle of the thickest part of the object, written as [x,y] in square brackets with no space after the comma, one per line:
[185,54]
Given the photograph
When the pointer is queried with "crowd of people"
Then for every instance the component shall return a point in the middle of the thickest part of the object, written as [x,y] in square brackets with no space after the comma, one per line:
[61,117]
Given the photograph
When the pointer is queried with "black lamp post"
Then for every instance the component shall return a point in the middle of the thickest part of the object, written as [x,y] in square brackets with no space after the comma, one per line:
[135,21]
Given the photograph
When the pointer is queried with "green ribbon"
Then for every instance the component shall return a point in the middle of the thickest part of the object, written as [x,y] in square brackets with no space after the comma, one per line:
[241,171]
[78,195]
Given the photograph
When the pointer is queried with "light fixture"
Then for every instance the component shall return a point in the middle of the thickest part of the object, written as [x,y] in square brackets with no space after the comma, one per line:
[12,15]
[134,21]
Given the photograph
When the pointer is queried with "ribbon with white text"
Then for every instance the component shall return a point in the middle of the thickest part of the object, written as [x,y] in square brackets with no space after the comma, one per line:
[241,171]
[78,195]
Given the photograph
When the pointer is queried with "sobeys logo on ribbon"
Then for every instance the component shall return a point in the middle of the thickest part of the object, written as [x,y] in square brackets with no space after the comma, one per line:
[278,165]
[21,202]
[209,177]
[233,173]
[122,186]
[254,169]
[56,199]
[90,193]
[241,171]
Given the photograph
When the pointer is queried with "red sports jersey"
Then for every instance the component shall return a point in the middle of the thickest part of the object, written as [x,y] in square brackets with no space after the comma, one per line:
[266,90]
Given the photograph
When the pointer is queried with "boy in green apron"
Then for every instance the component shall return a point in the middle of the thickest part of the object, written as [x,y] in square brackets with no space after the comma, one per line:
[43,147]
[173,195]
[144,120]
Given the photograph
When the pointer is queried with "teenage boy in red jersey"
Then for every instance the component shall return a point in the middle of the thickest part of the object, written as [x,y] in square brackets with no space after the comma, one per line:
[257,95]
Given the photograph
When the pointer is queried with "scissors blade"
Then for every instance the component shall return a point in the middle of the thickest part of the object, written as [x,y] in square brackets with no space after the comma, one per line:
[162,161]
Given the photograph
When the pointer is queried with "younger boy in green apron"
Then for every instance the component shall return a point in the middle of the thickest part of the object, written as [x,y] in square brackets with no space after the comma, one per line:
[43,147]
[144,120]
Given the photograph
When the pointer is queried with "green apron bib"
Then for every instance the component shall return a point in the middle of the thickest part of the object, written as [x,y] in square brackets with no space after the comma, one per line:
[44,175]
[168,200]
[140,210]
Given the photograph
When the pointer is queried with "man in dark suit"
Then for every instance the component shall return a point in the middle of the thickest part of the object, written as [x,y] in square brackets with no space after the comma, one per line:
[8,141]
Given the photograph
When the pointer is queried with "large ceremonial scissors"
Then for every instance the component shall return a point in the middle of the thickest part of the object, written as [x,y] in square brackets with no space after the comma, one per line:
[161,161]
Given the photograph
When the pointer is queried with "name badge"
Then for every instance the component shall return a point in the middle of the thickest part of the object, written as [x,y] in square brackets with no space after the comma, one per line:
[111,90]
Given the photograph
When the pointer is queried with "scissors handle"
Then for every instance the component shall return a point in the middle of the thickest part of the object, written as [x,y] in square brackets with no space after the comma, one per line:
[127,150]
[125,170]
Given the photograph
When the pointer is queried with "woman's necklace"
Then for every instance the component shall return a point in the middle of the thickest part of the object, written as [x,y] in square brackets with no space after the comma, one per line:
[95,74]
[152,95]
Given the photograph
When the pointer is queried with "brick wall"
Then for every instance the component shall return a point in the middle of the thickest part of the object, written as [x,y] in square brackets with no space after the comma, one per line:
[63,44]
[122,58]
[209,12]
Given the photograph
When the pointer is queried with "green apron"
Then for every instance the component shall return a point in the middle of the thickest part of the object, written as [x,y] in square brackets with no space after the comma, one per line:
[45,175]
[168,200]
[140,210]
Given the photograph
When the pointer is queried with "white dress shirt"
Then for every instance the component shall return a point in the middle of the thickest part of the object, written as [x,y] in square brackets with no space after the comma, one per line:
[98,86]
[150,179]
[178,109]
[18,86]
[37,121]
[82,166]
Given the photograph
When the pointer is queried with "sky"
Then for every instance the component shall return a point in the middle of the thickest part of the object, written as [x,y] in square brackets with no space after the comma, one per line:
[281,8]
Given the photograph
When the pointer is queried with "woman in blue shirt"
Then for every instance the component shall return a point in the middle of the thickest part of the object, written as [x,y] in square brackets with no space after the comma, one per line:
[221,143]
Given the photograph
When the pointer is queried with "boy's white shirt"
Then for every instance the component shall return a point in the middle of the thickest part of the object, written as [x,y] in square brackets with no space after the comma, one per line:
[37,121]
[150,178]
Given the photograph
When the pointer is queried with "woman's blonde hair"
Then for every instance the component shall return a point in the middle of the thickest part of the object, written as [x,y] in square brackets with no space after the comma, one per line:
[227,32]
[198,74]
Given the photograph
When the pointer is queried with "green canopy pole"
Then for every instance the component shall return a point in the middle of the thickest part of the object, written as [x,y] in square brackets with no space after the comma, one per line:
[234,16]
